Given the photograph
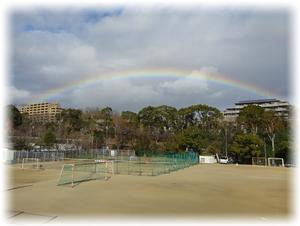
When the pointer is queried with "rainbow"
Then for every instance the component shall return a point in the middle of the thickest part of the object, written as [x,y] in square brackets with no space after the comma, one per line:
[156,74]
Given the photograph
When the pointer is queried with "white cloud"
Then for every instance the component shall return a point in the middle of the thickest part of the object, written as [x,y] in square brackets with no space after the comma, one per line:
[186,85]
[18,95]
[51,60]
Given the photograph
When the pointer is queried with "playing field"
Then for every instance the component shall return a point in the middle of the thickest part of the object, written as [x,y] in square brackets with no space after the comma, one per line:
[199,191]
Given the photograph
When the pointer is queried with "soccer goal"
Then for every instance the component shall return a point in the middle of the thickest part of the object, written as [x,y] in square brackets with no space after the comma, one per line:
[30,163]
[259,161]
[279,162]
[79,172]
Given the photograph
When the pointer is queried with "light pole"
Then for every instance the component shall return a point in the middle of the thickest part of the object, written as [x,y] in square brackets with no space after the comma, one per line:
[226,140]
[106,136]
[265,149]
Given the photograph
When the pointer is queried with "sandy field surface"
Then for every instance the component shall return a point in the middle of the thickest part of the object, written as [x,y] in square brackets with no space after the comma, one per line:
[199,191]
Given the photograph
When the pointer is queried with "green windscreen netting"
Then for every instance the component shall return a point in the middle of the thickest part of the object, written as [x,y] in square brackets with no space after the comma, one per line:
[154,165]
[101,167]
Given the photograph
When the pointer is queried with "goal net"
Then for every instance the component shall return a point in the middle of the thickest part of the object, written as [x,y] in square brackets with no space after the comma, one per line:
[79,172]
[30,163]
[279,162]
[259,161]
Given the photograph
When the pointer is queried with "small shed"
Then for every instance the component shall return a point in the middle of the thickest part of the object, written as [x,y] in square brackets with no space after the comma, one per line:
[207,159]
[8,155]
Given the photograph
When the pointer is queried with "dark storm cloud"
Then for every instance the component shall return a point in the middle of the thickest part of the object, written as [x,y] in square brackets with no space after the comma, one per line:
[53,48]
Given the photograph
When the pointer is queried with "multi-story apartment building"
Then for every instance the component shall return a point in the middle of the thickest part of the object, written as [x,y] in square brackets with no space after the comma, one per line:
[282,108]
[42,112]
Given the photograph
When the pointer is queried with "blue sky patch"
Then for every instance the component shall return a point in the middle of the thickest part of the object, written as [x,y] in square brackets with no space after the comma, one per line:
[93,16]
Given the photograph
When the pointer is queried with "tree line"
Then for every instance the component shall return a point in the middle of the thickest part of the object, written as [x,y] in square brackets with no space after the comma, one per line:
[200,128]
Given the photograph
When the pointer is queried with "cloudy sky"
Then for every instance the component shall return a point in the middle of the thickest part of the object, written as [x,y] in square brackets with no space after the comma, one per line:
[55,48]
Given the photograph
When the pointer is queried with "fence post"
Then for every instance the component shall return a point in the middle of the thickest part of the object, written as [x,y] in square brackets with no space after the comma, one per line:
[128,167]
[117,167]
[140,169]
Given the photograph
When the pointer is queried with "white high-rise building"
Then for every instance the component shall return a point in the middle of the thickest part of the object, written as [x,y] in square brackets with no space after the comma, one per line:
[282,108]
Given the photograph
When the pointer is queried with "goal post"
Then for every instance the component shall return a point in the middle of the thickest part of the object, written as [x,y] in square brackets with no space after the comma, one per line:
[259,161]
[279,162]
[30,163]
[79,172]
[109,167]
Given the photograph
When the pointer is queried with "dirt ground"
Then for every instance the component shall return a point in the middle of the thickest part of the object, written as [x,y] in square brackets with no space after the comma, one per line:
[210,190]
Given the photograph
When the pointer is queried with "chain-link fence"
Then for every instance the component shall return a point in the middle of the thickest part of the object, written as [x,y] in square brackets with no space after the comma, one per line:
[124,161]
[90,169]
[144,165]
[43,156]
[99,154]
[154,165]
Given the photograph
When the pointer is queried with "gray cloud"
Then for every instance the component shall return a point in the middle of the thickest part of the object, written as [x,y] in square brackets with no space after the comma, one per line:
[53,48]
